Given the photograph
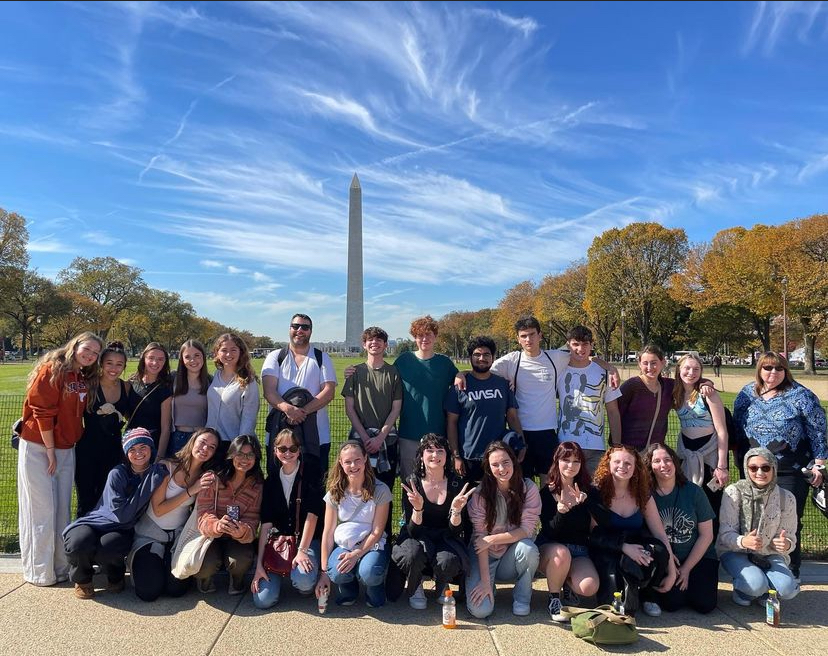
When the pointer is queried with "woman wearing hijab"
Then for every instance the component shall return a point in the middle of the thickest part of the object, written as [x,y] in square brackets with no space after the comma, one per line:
[757,531]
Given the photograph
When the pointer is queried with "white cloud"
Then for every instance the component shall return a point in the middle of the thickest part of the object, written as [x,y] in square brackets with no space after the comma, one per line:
[213,264]
[48,245]
[525,25]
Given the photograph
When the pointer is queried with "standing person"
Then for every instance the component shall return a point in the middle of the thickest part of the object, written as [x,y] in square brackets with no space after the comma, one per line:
[56,396]
[426,376]
[757,531]
[504,511]
[300,365]
[628,543]
[229,512]
[295,485]
[688,521]
[104,535]
[646,400]
[564,533]
[717,365]
[373,400]
[533,374]
[149,395]
[187,474]
[584,393]
[433,536]
[702,445]
[189,395]
[779,414]
[353,540]
[99,449]
[477,415]
[233,395]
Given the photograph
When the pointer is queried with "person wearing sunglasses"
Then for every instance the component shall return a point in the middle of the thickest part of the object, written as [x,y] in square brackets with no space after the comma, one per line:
[300,365]
[295,484]
[779,414]
[757,531]
[229,513]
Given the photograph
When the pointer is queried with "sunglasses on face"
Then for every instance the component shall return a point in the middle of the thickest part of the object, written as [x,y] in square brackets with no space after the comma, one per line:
[284,449]
[300,326]
[768,367]
[755,468]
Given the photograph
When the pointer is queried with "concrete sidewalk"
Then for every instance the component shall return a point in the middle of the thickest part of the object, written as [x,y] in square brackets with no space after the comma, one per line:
[46,621]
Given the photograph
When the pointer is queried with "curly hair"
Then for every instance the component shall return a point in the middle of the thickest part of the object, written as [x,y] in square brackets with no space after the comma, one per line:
[61,361]
[424,325]
[338,479]
[567,450]
[244,368]
[432,441]
[515,494]
[639,482]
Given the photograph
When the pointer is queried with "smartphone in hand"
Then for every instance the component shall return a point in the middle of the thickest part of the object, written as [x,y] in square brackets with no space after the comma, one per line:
[233,513]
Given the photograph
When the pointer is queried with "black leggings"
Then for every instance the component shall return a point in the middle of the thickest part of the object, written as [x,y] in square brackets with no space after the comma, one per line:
[617,572]
[798,485]
[86,546]
[700,594]
[414,557]
[152,576]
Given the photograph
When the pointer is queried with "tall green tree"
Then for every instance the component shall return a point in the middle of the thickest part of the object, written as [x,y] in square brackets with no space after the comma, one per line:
[13,240]
[30,301]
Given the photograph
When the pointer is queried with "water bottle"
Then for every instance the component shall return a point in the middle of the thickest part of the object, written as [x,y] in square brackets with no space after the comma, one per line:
[322,602]
[617,605]
[449,611]
[773,609]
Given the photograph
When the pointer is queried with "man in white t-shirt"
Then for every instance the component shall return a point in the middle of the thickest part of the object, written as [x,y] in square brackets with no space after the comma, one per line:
[533,374]
[302,366]
[584,393]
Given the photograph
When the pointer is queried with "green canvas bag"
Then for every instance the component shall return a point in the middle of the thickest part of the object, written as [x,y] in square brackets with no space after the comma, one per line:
[601,626]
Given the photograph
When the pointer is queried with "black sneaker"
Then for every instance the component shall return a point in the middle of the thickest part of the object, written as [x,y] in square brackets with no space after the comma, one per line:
[555,609]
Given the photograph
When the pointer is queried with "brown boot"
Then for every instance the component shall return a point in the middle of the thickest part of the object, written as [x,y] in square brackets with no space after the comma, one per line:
[84,590]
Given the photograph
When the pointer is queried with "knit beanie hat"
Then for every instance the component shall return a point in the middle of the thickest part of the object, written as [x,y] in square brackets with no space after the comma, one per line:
[137,436]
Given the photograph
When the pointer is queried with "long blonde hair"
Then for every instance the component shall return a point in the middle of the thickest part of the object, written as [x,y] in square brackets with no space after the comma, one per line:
[62,360]
[678,388]
[338,479]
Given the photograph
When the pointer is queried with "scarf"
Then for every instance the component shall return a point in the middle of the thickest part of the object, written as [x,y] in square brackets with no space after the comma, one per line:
[754,499]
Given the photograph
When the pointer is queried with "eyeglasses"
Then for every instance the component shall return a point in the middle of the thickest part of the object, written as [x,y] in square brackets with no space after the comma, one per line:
[301,326]
[284,449]
[482,356]
[755,468]
[244,456]
[768,367]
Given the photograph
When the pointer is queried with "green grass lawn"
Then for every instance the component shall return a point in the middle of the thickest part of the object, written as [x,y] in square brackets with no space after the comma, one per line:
[12,388]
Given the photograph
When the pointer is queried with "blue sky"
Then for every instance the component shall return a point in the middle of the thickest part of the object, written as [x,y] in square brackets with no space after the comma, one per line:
[212,145]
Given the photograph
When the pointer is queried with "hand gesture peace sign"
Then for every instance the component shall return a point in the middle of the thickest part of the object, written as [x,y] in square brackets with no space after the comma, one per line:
[414,497]
[459,502]
[571,495]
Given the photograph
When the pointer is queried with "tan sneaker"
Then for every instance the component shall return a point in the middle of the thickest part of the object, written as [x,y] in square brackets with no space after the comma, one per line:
[84,590]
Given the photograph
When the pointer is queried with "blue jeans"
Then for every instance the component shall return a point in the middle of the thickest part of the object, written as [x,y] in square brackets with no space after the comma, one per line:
[518,564]
[269,590]
[753,582]
[177,441]
[370,571]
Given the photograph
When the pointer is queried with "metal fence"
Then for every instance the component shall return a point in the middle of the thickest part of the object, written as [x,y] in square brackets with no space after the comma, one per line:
[814,532]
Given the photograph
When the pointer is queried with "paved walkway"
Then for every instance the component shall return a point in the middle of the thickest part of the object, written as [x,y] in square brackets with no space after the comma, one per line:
[45,621]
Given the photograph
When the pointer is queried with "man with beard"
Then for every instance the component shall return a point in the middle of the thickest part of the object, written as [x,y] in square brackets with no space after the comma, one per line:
[477,415]
[300,366]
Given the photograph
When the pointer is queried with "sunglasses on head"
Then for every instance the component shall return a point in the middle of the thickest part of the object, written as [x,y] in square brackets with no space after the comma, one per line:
[770,367]
[300,326]
[284,449]
[755,468]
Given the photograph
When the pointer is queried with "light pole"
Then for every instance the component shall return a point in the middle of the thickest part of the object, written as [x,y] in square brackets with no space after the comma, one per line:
[785,316]
[623,346]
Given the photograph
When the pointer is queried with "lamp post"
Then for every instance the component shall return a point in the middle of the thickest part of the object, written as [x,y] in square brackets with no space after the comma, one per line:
[623,346]
[785,316]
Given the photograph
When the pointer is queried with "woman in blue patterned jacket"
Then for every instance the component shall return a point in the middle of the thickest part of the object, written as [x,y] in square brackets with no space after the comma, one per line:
[786,418]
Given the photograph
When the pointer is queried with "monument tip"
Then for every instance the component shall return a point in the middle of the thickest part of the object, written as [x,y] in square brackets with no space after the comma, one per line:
[355,182]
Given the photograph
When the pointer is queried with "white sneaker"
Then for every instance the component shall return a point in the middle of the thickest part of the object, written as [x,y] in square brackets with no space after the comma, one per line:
[418,600]
[520,609]
[555,610]
[651,608]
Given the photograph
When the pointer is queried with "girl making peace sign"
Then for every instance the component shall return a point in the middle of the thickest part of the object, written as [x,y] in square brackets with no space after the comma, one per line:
[433,536]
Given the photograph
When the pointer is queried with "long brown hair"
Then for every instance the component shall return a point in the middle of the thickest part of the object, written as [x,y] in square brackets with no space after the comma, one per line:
[338,479]
[681,479]
[639,482]
[182,383]
[244,368]
[773,358]
[488,491]
[62,359]
[183,460]
[566,450]
[164,374]
[678,388]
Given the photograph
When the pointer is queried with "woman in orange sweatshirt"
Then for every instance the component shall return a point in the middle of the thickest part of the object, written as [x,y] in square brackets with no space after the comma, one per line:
[59,386]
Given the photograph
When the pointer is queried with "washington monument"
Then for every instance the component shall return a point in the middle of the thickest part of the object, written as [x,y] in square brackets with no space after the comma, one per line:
[354,319]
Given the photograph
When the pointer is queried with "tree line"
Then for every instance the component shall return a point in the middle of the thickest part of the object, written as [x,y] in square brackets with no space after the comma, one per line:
[99,294]
[651,283]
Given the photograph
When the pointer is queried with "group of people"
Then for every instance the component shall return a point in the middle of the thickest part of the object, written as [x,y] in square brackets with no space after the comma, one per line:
[631,515]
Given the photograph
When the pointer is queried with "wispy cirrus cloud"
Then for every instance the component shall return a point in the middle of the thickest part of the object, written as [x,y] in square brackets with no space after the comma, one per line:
[773,21]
